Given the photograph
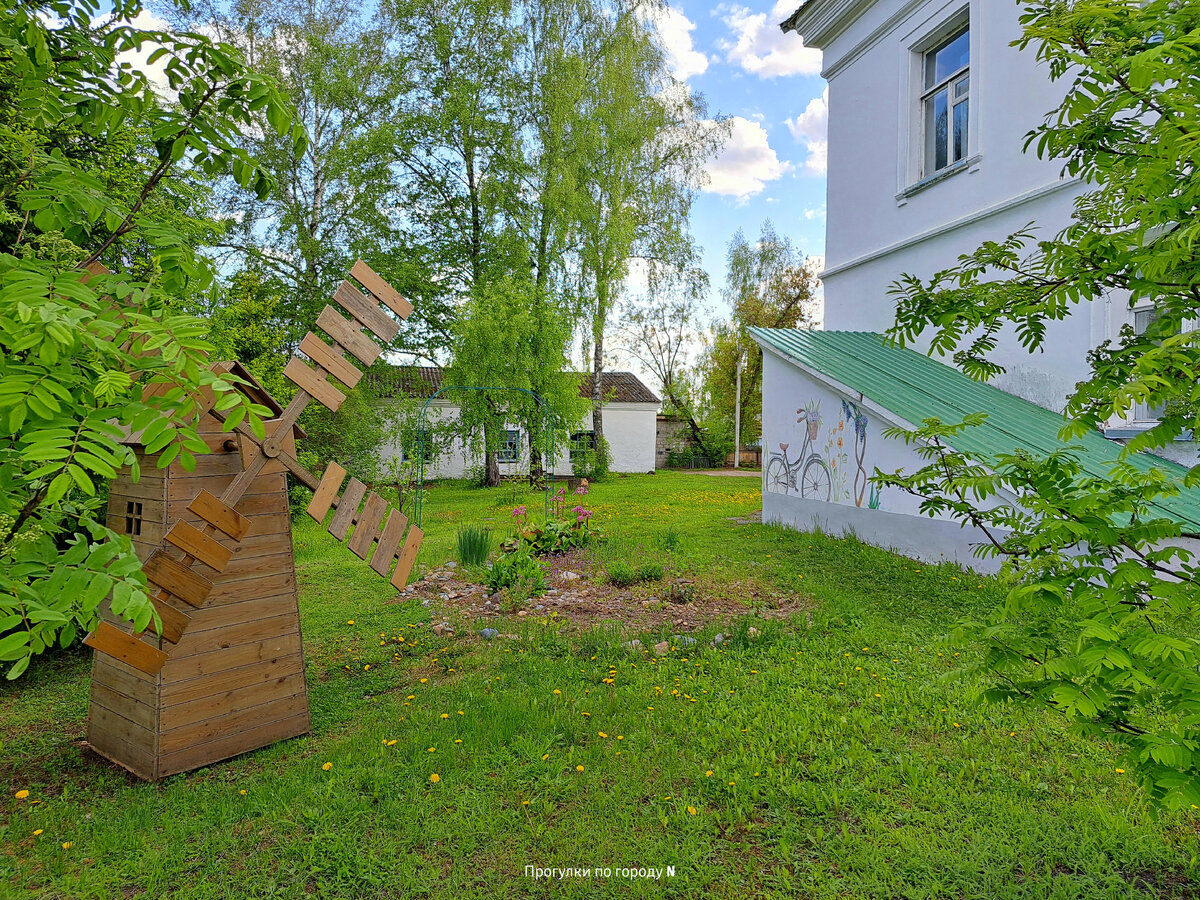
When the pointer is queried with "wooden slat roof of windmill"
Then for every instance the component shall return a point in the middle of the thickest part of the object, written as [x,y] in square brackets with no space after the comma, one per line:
[251,387]
[422,382]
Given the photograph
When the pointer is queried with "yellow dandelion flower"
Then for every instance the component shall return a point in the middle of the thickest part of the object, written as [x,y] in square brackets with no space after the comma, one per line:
[691,810]
[879,695]
[620,737]
[67,845]
[391,743]
[22,794]
[602,734]
[579,768]
[545,756]
[431,750]
[708,774]
[1120,771]
[367,667]
[435,777]
[411,697]
[557,691]
[461,713]
[242,792]
[423,680]
[445,715]
[349,621]
[459,741]
[37,831]
[327,766]
[524,802]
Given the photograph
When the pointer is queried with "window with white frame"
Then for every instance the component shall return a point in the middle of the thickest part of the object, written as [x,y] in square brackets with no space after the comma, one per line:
[1143,319]
[946,101]
[510,449]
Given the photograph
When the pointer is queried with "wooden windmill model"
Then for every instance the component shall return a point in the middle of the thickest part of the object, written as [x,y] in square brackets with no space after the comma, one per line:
[227,673]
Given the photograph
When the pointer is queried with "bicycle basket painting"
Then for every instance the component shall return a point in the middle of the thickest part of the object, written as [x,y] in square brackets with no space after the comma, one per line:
[816,464]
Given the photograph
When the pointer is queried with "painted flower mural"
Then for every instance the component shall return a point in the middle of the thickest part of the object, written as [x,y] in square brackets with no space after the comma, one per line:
[828,473]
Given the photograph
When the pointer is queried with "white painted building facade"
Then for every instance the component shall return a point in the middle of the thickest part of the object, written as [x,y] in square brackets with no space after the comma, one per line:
[902,75]
[630,420]
[929,106]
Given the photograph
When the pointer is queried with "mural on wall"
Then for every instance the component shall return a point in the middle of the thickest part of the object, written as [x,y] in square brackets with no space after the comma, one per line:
[806,472]
[825,474]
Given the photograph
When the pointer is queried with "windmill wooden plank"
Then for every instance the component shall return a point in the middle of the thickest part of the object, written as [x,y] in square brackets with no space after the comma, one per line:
[408,556]
[177,579]
[220,515]
[360,306]
[389,542]
[174,622]
[313,383]
[328,359]
[326,491]
[384,292]
[347,509]
[194,542]
[127,648]
[365,350]
[367,528]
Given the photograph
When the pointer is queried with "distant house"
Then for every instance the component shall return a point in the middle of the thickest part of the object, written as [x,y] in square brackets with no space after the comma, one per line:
[630,411]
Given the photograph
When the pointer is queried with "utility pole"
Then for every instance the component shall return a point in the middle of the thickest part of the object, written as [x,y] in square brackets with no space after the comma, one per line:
[737,415]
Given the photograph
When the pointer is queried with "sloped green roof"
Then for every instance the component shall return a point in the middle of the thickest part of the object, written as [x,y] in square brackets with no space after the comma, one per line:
[915,387]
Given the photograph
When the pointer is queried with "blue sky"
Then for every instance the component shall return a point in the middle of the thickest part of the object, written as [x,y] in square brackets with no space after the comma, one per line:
[769,83]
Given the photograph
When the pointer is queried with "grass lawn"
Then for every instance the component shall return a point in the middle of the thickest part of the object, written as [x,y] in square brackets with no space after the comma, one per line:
[832,755]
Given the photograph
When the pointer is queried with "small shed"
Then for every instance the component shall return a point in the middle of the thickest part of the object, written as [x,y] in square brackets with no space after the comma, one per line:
[234,681]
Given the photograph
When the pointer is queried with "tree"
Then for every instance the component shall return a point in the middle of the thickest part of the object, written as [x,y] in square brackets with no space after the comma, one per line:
[507,339]
[659,334]
[641,146]
[1099,624]
[86,356]
[768,284]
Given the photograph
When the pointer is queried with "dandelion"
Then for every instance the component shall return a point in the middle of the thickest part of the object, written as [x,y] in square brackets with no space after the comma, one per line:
[435,777]
[367,667]
[602,734]
[242,792]
[445,715]
[461,713]
[67,845]
[349,621]
[879,695]
[37,831]
[545,756]
[579,768]
[1120,771]
[431,750]
[424,680]
[327,766]
[708,774]
[691,810]
[620,737]
[22,794]
[391,743]
[459,741]
[557,692]
[524,802]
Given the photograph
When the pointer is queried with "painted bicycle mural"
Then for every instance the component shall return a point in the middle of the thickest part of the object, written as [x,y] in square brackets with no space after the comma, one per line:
[823,472]
[808,473]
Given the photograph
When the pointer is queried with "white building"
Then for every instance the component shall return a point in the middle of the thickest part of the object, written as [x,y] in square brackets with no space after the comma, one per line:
[630,417]
[929,106]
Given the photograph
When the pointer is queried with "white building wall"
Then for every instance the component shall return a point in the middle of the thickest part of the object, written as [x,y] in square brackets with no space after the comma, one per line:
[848,443]
[629,427]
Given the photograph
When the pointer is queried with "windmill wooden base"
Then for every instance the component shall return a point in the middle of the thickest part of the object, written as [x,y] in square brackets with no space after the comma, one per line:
[226,675]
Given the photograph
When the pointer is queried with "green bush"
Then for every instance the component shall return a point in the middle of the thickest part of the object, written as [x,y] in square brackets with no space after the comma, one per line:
[519,573]
[554,536]
[474,545]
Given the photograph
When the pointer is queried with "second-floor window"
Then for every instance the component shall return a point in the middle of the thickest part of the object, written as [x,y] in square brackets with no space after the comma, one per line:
[947,101]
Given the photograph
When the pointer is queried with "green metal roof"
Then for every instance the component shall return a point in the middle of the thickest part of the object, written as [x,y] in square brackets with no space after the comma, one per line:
[915,387]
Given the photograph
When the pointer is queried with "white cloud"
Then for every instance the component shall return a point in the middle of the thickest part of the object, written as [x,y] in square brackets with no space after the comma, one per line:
[759,46]
[746,163]
[811,128]
[676,30]
[813,213]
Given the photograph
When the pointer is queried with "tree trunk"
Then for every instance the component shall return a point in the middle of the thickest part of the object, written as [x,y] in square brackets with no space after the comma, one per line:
[491,476]
[597,376]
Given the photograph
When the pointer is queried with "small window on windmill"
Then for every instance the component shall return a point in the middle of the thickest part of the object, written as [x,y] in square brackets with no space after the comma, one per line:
[133,517]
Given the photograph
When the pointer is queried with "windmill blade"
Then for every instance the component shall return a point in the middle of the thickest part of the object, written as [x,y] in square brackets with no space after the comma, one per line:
[367,523]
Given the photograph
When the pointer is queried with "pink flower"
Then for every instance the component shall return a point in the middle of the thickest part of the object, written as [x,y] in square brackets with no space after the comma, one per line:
[518,512]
